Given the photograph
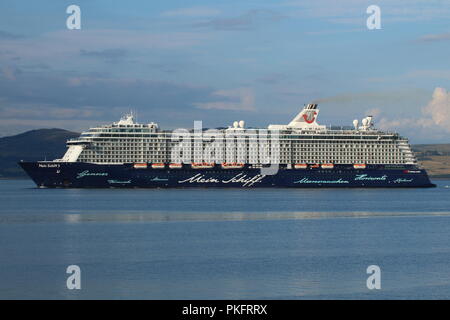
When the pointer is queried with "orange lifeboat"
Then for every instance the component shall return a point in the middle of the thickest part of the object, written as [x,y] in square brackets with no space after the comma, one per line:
[158,165]
[300,166]
[202,165]
[327,166]
[140,166]
[359,166]
[233,165]
[175,166]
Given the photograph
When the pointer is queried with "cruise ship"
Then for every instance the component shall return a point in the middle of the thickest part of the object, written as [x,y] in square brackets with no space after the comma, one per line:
[300,154]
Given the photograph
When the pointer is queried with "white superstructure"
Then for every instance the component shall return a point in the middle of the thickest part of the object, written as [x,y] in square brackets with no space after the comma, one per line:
[303,140]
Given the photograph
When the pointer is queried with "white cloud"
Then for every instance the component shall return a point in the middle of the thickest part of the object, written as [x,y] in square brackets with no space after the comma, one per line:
[191,12]
[435,37]
[46,111]
[67,45]
[234,99]
[354,11]
[435,115]
[245,21]
[439,108]
[414,75]
[373,112]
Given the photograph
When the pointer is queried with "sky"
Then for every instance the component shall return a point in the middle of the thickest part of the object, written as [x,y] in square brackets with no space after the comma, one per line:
[174,62]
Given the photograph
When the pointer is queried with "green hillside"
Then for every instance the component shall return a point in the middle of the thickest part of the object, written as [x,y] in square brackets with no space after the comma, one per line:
[435,158]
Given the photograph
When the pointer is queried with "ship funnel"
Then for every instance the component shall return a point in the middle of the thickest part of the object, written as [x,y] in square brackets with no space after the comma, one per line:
[355,124]
[306,118]
[311,106]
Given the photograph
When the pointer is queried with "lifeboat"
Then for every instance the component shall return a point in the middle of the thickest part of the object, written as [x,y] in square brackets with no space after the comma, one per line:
[233,165]
[140,166]
[175,166]
[202,165]
[359,166]
[158,165]
[315,165]
[327,166]
[300,166]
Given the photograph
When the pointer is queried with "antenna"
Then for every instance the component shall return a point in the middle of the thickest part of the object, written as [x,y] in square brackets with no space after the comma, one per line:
[133,114]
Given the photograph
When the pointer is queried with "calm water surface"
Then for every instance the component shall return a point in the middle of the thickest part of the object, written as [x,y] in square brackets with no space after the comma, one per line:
[224,244]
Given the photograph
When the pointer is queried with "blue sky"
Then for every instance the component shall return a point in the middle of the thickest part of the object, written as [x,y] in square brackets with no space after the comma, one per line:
[174,62]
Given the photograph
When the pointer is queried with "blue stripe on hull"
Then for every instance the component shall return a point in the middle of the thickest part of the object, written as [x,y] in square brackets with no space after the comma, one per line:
[87,175]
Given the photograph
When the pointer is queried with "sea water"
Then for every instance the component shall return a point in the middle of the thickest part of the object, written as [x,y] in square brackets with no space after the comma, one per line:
[224,244]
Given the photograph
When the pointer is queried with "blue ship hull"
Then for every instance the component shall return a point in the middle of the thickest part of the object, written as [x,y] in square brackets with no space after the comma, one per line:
[89,175]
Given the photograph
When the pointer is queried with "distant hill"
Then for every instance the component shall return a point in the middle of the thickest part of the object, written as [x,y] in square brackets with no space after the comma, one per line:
[31,146]
[51,144]
[432,149]
[435,158]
